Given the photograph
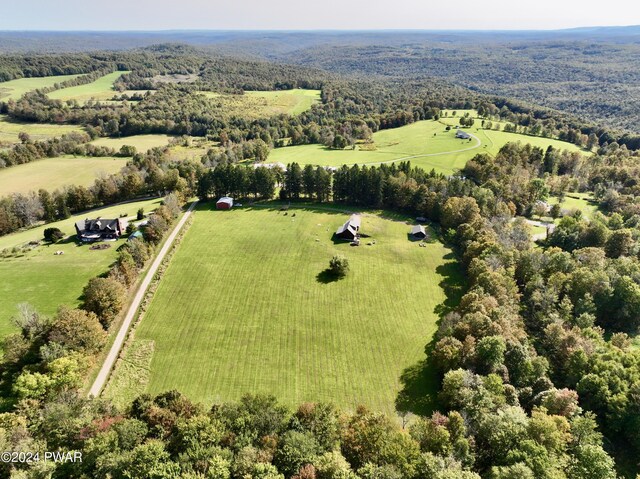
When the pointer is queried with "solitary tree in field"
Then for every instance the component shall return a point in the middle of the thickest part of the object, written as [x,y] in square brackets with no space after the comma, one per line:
[339,266]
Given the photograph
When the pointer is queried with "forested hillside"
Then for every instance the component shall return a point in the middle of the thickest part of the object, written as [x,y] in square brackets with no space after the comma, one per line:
[592,73]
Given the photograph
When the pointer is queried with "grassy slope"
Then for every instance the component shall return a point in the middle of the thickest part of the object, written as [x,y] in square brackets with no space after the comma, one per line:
[260,104]
[496,139]
[53,173]
[14,89]
[45,280]
[292,102]
[37,131]
[239,312]
[101,89]
[415,139]
[577,201]
[142,143]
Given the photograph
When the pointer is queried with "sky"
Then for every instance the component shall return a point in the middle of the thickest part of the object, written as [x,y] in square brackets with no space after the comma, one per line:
[307,15]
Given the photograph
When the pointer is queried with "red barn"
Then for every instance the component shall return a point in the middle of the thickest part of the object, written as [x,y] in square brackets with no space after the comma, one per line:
[224,203]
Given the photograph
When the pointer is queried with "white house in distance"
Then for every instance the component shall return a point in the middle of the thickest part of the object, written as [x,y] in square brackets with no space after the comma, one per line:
[224,203]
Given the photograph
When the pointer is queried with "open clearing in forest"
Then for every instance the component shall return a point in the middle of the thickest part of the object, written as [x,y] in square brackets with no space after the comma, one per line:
[53,173]
[100,89]
[577,201]
[142,143]
[46,280]
[244,306]
[426,144]
[9,130]
[262,104]
[14,89]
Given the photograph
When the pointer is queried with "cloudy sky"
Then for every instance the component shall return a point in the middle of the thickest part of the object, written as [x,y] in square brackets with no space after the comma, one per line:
[304,15]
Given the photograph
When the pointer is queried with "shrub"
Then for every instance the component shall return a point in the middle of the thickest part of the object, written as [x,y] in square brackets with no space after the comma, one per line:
[339,266]
[53,234]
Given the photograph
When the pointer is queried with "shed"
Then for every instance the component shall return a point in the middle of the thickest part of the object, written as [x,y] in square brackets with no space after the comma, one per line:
[349,230]
[419,232]
[135,235]
[462,134]
[224,203]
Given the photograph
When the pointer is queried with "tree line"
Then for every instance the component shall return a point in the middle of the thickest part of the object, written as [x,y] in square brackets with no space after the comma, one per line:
[151,174]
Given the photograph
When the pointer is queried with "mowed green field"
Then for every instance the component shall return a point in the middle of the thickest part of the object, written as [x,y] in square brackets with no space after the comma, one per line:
[101,89]
[497,139]
[261,104]
[577,201]
[53,173]
[293,102]
[142,143]
[426,144]
[14,89]
[46,280]
[244,307]
[9,130]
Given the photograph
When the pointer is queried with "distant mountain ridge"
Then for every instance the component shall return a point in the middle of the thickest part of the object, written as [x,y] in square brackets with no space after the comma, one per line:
[247,41]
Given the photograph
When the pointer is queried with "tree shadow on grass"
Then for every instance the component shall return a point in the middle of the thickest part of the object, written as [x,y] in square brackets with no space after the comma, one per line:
[453,284]
[327,276]
[421,381]
[420,385]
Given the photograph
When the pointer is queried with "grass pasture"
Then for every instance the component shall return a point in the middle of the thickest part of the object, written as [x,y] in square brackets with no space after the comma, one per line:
[577,201]
[241,312]
[497,139]
[262,104]
[10,129]
[47,281]
[426,144]
[14,89]
[194,150]
[142,143]
[100,89]
[53,173]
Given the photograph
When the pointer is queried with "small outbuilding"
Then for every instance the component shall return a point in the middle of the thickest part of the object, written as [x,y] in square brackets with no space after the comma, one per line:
[350,230]
[418,232]
[135,235]
[462,134]
[224,203]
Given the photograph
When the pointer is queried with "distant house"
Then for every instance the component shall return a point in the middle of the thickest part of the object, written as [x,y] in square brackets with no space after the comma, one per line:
[462,134]
[418,232]
[100,229]
[224,203]
[349,230]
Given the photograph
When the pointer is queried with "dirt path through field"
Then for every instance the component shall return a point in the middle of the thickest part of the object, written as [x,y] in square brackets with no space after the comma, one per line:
[110,360]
